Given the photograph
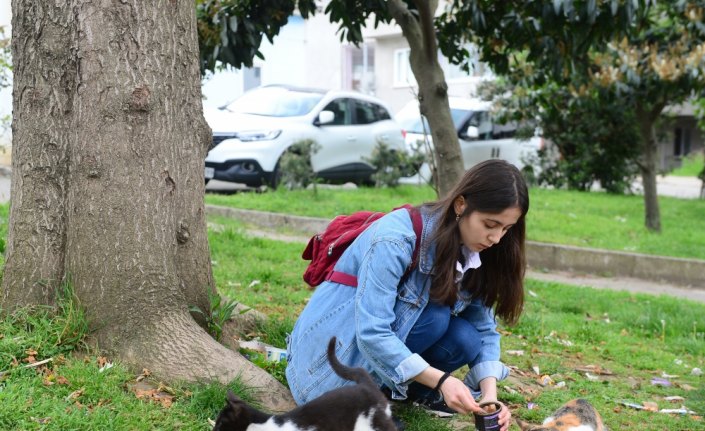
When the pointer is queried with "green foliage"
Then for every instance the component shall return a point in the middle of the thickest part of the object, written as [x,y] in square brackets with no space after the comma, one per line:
[295,165]
[276,369]
[230,31]
[221,311]
[555,36]
[594,134]
[391,165]
[71,316]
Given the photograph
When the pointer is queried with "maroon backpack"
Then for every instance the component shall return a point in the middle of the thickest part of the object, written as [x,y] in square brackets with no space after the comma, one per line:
[325,248]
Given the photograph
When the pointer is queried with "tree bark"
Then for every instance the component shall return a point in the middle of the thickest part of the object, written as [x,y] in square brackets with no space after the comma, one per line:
[107,186]
[433,89]
[648,164]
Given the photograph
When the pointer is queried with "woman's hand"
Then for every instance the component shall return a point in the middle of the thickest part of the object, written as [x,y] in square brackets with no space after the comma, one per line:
[458,397]
[505,416]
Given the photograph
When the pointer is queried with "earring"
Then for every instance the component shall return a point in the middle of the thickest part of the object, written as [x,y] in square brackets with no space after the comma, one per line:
[457,217]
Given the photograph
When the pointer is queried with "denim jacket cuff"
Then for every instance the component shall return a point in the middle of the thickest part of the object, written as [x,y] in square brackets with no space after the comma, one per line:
[483,370]
[410,368]
[407,370]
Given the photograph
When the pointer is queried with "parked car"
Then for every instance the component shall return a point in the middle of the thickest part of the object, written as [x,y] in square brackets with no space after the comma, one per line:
[480,138]
[252,133]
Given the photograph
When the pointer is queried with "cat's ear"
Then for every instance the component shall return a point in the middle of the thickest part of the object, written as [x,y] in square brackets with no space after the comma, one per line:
[232,398]
[237,407]
[524,426]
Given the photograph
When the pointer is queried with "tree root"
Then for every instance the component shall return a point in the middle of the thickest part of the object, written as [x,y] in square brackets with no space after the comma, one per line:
[174,348]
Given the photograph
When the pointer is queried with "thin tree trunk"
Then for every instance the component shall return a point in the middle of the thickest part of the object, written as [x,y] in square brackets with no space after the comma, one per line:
[648,166]
[433,89]
[109,146]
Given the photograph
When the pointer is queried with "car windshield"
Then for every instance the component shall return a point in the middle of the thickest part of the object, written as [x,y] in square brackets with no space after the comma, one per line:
[412,124]
[275,102]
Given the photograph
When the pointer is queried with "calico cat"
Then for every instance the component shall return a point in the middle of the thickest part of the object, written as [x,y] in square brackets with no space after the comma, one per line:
[575,415]
[362,407]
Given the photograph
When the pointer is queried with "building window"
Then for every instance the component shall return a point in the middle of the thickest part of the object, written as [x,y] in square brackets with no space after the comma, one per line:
[403,76]
[359,68]
[477,69]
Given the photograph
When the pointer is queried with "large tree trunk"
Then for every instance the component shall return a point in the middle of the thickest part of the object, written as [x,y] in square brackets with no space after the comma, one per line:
[648,165]
[107,186]
[419,31]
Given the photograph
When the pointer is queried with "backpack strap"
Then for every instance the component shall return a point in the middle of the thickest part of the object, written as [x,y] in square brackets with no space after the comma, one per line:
[417,223]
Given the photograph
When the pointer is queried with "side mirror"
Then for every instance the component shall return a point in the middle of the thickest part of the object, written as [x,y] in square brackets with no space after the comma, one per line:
[472,132]
[325,117]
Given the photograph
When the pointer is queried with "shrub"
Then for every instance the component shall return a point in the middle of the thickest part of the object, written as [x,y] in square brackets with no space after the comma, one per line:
[391,165]
[295,165]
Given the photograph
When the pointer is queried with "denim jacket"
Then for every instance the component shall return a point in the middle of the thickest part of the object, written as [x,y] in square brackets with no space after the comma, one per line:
[371,322]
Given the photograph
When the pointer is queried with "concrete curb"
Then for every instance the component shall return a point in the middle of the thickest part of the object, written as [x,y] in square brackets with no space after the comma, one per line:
[553,257]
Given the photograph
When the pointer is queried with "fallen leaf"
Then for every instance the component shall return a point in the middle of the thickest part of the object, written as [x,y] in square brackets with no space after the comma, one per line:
[145,373]
[165,400]
[650,406]
[546,380]
[49,379]
[592,377]
[75,394]
[594,369]
[41,421]
[145,394]
[674,399]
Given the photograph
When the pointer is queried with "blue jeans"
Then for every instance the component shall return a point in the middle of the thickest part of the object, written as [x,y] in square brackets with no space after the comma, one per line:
[446,342]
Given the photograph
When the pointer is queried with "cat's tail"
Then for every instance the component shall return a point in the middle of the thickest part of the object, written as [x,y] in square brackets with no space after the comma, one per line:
[357,375]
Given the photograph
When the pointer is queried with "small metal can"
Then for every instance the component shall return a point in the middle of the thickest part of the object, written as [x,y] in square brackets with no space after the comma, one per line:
[490,420]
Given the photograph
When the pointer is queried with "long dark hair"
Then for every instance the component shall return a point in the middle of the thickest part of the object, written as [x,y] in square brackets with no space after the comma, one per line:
[491,186]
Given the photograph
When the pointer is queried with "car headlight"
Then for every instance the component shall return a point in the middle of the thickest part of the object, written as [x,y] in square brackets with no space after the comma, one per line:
[258,135]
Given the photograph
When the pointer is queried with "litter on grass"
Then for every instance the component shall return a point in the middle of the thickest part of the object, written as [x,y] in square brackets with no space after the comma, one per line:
[659,381]
[653,407]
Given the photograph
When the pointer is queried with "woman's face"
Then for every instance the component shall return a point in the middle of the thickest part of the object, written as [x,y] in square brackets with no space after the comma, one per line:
[481,230]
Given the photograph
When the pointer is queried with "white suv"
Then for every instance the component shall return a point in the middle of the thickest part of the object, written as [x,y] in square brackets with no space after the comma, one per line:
[480,139]
[251,134]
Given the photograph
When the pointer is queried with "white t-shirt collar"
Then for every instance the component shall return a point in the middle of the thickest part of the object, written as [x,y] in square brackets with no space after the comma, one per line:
[472,260]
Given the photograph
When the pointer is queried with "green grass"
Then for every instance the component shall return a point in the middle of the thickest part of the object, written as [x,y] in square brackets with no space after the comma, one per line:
[597,220]
[74,391]
[563,329]
[618,331]
[692,165]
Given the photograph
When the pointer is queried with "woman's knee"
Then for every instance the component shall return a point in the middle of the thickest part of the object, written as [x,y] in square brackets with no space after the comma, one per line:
[464,337]
[431,326]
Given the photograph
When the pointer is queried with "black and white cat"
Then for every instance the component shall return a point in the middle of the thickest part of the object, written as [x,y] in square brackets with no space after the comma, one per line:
[361,407]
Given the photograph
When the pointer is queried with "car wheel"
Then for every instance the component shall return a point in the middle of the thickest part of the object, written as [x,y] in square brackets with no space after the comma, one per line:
[276,177]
